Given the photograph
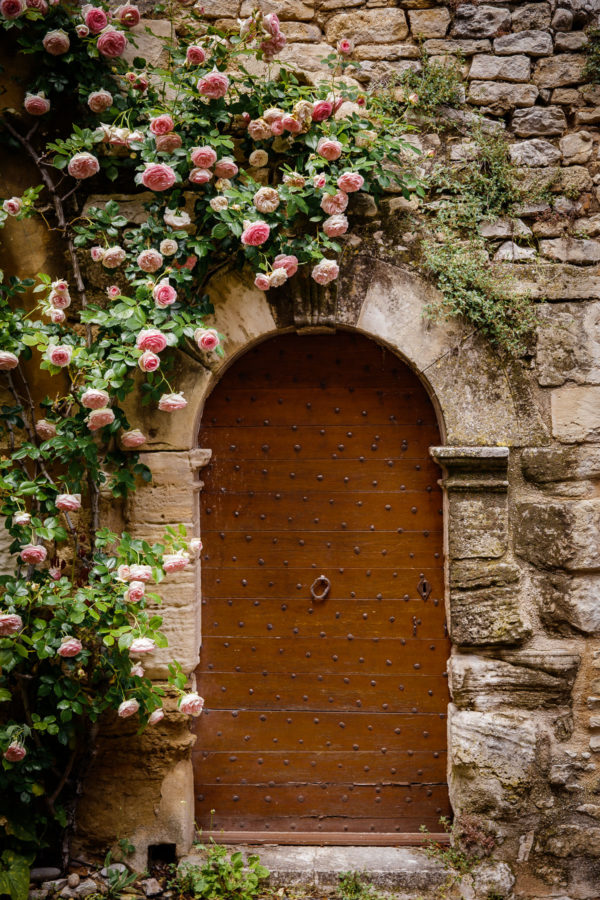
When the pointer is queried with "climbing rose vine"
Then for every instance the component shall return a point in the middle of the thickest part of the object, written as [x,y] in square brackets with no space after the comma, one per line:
[233,169]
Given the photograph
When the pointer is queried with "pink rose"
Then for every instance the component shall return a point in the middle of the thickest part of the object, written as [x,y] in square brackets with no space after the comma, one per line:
[127,15]
[262,282]
[36,104]
[329,149]
[256,234]
[97,253]
[95,19]
[334,203]
[150,260]
[99,418]
[59,301]
[226,168]
[175,562]
[195,55]
[271,23]
[55,573]
[40,5]
[140,572]
[95,398]
[167,143]
[22,518]
[59,355]
[214,85]
[12,9]
[100,101]
[345,47]
[200,176]
[135,591]
[132,439]
[113,291]
[148,361]
[319,180]
[350,181]
[57,316]
[325,271]
[128,708]
[15,752]
[142,645]
[158,177]
[191,704]
[172,402]
[68,502]
[137,670]
[151,339]
[336,225]
[56,42]
[164,294]
[113,257]
[277,127]
[155,717]
[321,111]
[203,157]
[12,206]
[69,647]
[45,429]
[60,286]
[8,360]
[83,165]
[291,124]
[266,200]
[10,623]
[207,338]
[82,31]
[123,573]
[111,43]
[162,124]
[259,130]
[287,262]
[273,45]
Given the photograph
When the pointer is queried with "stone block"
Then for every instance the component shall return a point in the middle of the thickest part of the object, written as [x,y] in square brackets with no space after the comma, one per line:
[551,656]
[509,251]
[149,36]
[531,16]
[571,250]
[471,574]
[499,98]
[303,32]
[170,497]
[574,602]
[576,413]
[504,68]
[561,534]
[572,840]
[562,20]
[533,42]
[542,465]
[287,10]
[540,120]
[375,26]
[429,23]
[576,148]
[536,152]
[472,21]
[561,349]
[570,41]
[219,9]
[504,228]
[556,71]
[567,97]
[465,47]
[481,683]
[588,116]
[478,526]
[492,616]
[398,50]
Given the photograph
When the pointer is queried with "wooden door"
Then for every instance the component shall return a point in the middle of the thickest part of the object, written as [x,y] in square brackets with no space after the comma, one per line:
[324,717]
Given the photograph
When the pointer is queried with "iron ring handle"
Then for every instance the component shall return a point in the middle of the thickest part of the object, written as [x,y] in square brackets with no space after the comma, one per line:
[326,587]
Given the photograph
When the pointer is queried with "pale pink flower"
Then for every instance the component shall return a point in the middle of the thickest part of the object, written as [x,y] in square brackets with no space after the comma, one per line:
[262,282]
[294,179]
[127,15]
[207,338]
[218,204]
[151,339]
[99,418]
[287,262]
[45,429]
[214,85]
[200,176]
[95,19]
[113,257]
[226,168]
[176,218]
[150,260]
[345,47]
[140,572]
[82,31]
[128,708]
[175,562]
[203,157]
[291,124]
[191,704]
[137,670]
[8,360]
[329,149]
[58,300]
[83,165]
[15,752]
[12,9]
[277,278]
[413,98]
[195,545]
[167,143]
[350,181]
[95,398]
[273,45]
[12,206]
[256,234]
[142,645]
[132,439]
[271,23]
[36,104]
[168,247]
[321,111]
[22,518]
[325,271]
[69,647]
[148,361]
[319,180]
[68,502]
[158,177]
[172,402]
[60,286]
[273,114]
[97,253]
[259,130]
[164,294]
[135,591]
[334,203]
[57,316]
[195,55]
[277,127]
[100,101]
[10,623]
[123,572]
[162,124]
[258,158]
[55,573]
[59,355]
[156,716]
[336,225]
[266,200]
[112,43]
[113,291]
[56,42]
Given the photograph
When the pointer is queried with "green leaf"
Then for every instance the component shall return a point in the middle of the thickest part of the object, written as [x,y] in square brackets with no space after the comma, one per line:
[14,875]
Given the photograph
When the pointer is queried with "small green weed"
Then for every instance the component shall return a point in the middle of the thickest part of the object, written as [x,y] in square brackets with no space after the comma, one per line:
[117,881]
[221,877]
[436,84]
[353,886]
[592,64]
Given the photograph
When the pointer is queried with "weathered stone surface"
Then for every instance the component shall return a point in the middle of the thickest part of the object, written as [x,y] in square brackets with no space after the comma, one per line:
[569,41]
[169,498]
[477,682]
[303,32]
[504,228]
[505,68]
[478,526]
[539,121]
[287,10]
[576,413]
[562,534]
[562,351]
[499,97]
[465,47]
[536,152]
[562,20]
[572,840]
[489,617]
[575,602]
[511,252]
[576,148]
[546,464]
[571,250]
[149,44]
[479,21]
[221,9]
[375,26]
[429,23]
[572,180]
[588,116]
[532,42]
[531,16]
[569,97]
[482,573]
[554,657]
[566,68]
[397,50]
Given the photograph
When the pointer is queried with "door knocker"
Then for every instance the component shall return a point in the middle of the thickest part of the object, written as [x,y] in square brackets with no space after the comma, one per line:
[320,588]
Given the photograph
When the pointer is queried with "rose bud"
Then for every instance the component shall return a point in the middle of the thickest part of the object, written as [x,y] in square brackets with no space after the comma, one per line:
[176,219]
[175,562]
[45,429]
[22,518]
[203,157]
[135,591]
[36,104]
[319,180]
[191,704]
[142,645]
[155,717]
[99,418]
[33,554]
[256,234]
[127,15]
[172,402]
[15,752]
[83,165]
[325,271]
[97,253]
[321,111]
[195,545]
[195,55]
[148,361]
[94,398]
[12,206]
[10,623]
[68,502]
[291,124]
[345,47]
[207,339]
[137,671]
[132,439]
[140,572]
[82,31]
[128,708]
[57,316]
[69,647]
[8,360]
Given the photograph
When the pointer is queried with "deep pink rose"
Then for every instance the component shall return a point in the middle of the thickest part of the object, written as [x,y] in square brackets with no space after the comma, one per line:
[151,339]
[12,206]
[95,398]
[15,752]
[68,502]
[329,149]
[22,518]
[127,15]
[195,55]
[214,85]
[99,418]
[262,282]
[207,338]
[10,623]
[172,402]
[350,181]
[200,176]
[336,225]
[8,360]
[135,591]
[191,704]
[226,168]
[164,294]
[334,203]
[141,645]
[345,47]
[140,572]
[36,104]
[321,111]
[128,708]
[12,9]
[45,429]
[256,234]
[162,124]
[150,260]
[287,262]
[69,647]
[100,101]
[56,42]
[167,143]
[113,257]
[96,19]
[158,177]
[132,439]
[59,355]
[57,316]
[83,165]
[325,271]
[33,554]
[155,717]
[203,157]
[291,124]
[175,562]
[148,361]
[112,43]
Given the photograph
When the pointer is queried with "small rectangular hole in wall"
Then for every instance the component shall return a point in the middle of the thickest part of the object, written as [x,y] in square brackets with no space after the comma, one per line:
[161,854]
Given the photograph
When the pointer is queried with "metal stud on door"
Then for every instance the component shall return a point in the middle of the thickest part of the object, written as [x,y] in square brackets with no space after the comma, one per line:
[324,643]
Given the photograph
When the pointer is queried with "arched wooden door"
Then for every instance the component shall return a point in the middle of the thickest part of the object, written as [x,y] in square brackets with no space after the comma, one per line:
[325,717]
